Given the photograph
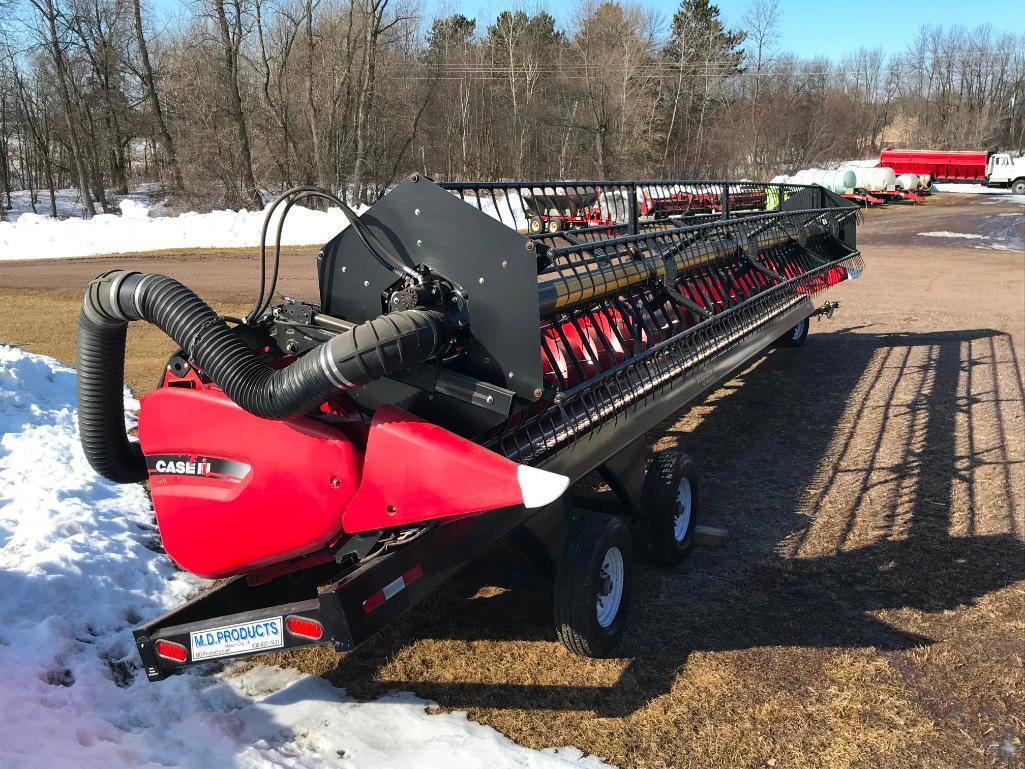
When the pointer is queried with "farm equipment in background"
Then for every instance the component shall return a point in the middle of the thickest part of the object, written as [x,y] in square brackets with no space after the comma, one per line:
[686,202]
[994,169]
[336,460]
[554,208]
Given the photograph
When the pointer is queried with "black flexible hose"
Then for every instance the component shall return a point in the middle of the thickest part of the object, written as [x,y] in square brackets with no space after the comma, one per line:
[367,352]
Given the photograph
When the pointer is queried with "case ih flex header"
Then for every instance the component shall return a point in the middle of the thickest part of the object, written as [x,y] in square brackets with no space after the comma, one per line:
[338,460]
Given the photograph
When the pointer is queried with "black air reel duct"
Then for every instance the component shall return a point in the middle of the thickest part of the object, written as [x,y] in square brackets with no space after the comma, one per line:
[369,351]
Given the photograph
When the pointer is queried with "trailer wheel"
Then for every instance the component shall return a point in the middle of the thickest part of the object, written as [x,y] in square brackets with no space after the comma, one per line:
[554,224]
[535,226]
[795,337]
[1018,186]
[592,585]
[669,503]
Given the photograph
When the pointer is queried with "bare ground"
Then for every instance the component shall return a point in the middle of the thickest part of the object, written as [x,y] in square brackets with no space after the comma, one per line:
[869,610]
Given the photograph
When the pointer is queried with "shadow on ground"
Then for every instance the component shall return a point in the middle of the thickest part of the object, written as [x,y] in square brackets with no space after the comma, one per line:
[850,473]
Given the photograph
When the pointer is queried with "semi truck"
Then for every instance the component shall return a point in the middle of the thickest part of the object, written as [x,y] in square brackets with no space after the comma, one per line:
[994,169]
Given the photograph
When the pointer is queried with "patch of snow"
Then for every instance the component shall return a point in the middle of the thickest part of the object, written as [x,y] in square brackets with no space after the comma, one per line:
[976,189]
[869,163]
[69,201]
[1001,247]
[946,234]
[33,236]
[79,567]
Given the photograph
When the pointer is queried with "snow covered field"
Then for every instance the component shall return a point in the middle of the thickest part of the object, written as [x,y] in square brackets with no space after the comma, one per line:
[79,568]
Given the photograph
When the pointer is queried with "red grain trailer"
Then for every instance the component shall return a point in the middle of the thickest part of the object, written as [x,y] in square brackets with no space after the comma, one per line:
[942,165]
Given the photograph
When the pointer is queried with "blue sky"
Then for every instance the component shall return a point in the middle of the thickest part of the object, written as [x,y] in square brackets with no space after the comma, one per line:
[810,27]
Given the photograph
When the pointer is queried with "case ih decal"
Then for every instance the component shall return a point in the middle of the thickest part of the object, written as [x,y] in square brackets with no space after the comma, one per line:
[197,466]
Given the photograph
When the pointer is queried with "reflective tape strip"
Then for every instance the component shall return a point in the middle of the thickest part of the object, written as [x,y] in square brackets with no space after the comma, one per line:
[392,589]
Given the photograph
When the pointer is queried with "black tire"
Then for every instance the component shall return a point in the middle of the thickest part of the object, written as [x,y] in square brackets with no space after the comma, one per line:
[1018,186]
[665,528]
[535,226]
[795,337]
[580,582]
[555,224]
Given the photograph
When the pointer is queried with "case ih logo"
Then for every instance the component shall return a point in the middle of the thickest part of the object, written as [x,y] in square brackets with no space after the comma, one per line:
[196,466]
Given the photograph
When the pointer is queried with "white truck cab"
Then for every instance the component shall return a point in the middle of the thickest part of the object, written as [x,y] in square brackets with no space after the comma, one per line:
[1005,170]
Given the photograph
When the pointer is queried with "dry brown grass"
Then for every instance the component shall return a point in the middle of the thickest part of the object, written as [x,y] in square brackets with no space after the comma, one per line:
[44,322]
[869,610]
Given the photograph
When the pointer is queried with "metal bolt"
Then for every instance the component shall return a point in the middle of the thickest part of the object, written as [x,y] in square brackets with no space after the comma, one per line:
[335,483]
[416,211]
[537,392]
[419,242]
[505,263]
[345,269]
[530,245]
[510,375]
[487,360]
[490,399]
[481,281]
[366,284]
[414,178]
[392,509]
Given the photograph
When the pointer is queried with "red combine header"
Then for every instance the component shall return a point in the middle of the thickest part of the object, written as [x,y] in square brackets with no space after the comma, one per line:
[336,460]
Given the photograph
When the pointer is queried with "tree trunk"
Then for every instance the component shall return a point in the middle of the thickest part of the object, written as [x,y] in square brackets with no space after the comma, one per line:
[166,143]
[230,42]
[49,14]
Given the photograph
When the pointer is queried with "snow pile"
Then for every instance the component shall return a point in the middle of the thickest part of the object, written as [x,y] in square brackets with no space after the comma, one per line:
[33,236]
[79,567]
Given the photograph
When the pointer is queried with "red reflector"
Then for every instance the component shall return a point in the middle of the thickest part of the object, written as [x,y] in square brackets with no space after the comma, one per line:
[171,651]
[306,628]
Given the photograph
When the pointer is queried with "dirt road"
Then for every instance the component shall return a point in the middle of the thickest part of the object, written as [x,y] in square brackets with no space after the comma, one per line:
[869,609]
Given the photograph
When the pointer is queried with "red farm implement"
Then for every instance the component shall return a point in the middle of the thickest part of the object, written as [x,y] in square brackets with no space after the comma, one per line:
[554,208]
[661,203]
[336,460]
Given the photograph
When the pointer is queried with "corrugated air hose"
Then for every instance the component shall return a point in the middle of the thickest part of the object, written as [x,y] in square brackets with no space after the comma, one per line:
[367,352]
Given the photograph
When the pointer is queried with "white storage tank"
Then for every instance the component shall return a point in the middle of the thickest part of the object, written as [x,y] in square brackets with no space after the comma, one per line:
[875,179]
[840,181]
[908,182]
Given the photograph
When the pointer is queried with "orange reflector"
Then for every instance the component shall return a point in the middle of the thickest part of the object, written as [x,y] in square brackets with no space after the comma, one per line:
[171,651]
[304,627]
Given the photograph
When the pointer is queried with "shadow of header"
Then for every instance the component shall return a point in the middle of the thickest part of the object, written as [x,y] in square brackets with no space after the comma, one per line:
[802,440]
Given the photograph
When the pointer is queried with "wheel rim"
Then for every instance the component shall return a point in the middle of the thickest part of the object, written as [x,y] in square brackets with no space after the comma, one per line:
[798,331]
[684,501]
[610,594]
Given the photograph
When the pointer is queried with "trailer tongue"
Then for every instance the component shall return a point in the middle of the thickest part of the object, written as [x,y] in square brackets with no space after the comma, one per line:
[337,461]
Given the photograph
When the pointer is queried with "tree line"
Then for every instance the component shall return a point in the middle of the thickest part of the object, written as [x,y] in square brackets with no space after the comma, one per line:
[244,96]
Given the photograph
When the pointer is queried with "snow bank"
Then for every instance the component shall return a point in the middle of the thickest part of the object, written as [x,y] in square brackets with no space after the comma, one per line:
[79,567]
[33,236]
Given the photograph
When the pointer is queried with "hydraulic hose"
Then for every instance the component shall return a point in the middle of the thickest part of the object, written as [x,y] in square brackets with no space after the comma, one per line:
[369,351]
